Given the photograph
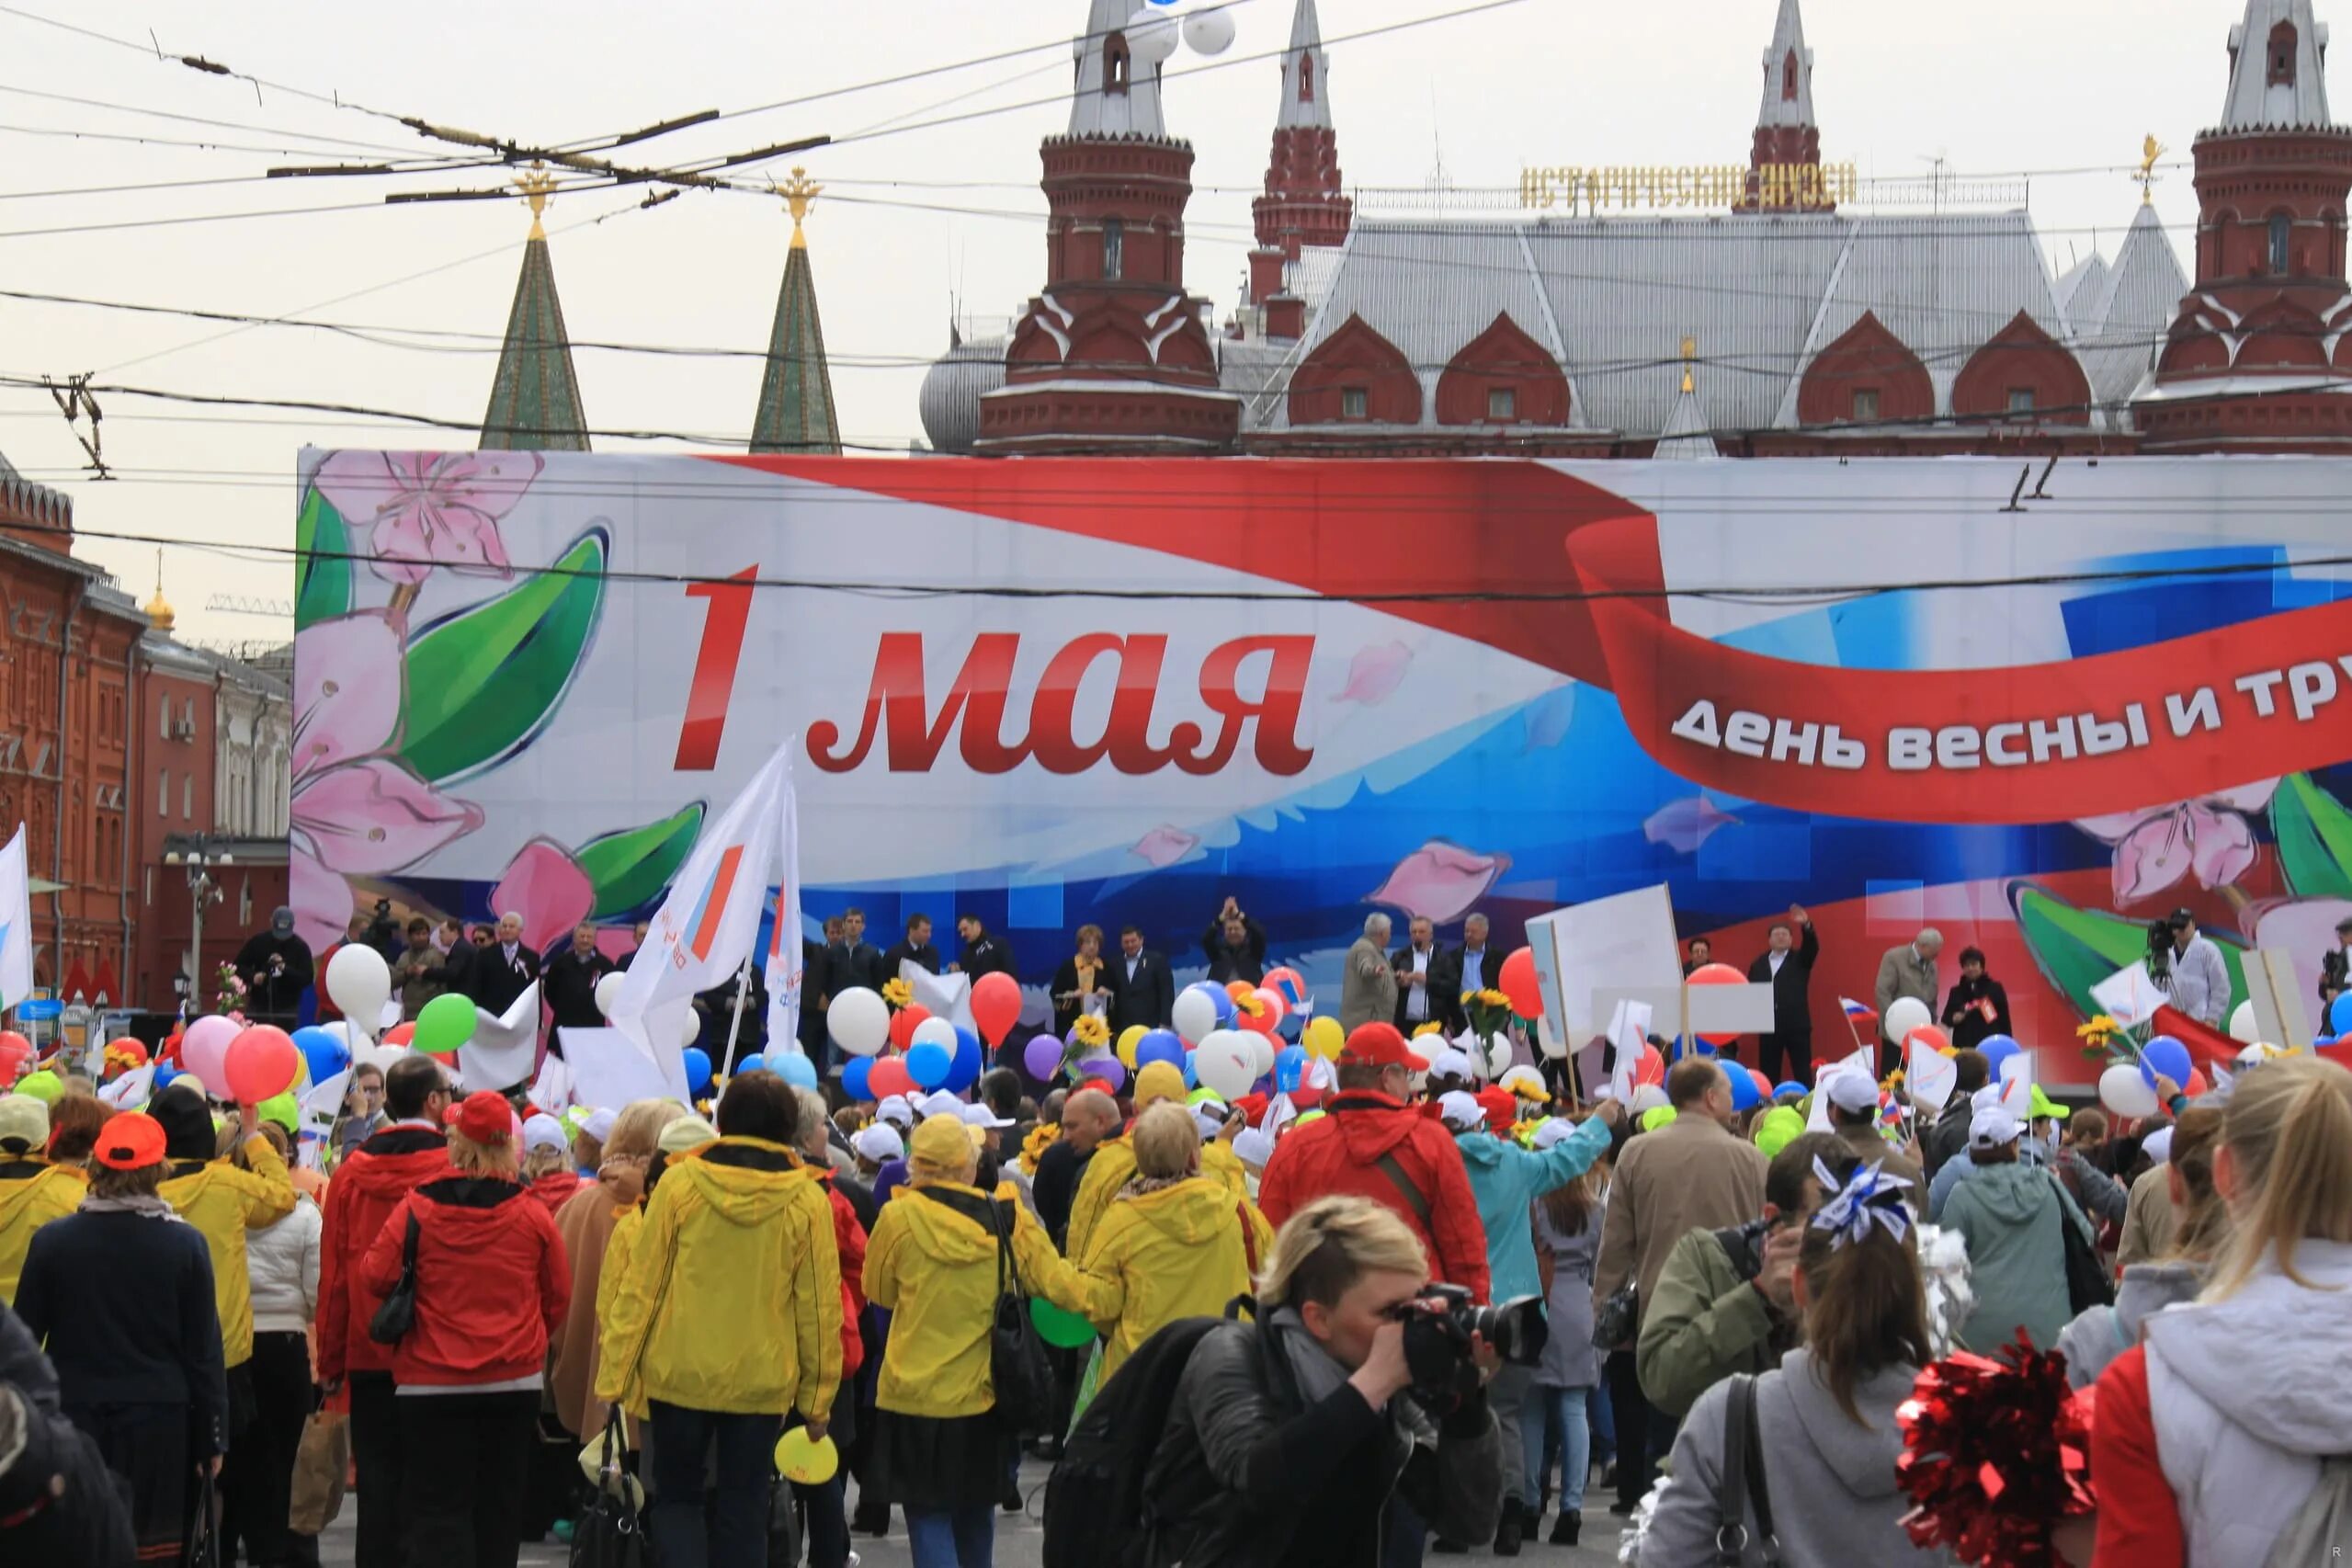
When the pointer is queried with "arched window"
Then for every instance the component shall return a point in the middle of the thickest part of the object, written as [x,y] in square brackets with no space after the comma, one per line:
[2280,231]
[1114,248]
[1788,77]
[1306,78]
[1114,63]
[2283,55]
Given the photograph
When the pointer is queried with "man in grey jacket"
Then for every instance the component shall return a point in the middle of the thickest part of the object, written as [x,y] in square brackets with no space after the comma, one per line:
[1367,985]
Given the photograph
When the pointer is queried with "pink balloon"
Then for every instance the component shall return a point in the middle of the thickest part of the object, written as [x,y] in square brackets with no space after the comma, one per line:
[261,1062]
[204,1049]
[996,1006]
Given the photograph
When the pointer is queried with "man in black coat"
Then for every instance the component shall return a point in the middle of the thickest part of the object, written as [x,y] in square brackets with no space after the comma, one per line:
[853,960]
[1142,988]
[1235,945]
[503,969]
[916,947]
[1439,984]
[275,967]
[1787,966]
[982,954]
[571,981]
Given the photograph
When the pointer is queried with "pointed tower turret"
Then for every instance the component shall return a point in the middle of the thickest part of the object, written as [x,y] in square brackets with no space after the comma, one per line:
[796,412]
[1784,160]
[2257,355]
[1113,357]
[1304,204]
[535,396]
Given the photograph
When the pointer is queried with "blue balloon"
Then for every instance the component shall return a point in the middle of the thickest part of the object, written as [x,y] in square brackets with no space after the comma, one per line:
[2339,1014]
[2167,1057]
[853,1078]
[1995,1050]
[964,1071]
[1191,1078]
[1791,1090]
[1744,1090]
[697,1071]
[929,1063]
[751,1063]
[1159,1045]
[1224,1007]
[325,1055]
[1290,1066]
[797,1070]
[1683,1047]
[164,1074]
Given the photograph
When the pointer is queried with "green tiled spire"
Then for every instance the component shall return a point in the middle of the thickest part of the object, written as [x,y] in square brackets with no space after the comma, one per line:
[535,398]
[796,411]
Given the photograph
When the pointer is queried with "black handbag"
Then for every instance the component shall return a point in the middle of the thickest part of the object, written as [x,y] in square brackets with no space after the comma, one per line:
[1017,1370]
[608,1534]
[397,1314]
[1616,1319]
[2087,1279]
[1740,1490]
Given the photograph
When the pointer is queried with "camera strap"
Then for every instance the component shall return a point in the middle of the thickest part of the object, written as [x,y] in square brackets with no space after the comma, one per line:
[1406,1187]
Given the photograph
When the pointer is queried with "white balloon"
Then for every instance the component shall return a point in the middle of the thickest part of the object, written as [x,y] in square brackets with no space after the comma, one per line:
[2242,1029]
[859,1021]
[1546,1041]
[1262,1048]
[1905,1013]
[1225,1065]
[2124,1092]
[1498,1055]
[358,980]
[1152,35]
[1210,31]
[340,1030]
[689,1029]
[935,1031]
[607,988]
[1194,1015]
[1648,1098]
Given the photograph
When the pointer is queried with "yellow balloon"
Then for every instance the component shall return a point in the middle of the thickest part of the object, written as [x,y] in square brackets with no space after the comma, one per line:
[1127,1040]
[1322,1037]
[810,1464]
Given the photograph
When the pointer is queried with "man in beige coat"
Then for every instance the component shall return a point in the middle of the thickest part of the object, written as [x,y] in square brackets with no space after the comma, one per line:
[1368,986]
[1693,1173]
[1907,970]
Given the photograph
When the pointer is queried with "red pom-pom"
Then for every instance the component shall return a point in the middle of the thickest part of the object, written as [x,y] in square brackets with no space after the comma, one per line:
[1998,1453]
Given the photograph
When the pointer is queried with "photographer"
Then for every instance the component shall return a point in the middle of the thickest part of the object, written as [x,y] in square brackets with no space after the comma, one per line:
[1287,1436]
[1725,1301]
[275,964]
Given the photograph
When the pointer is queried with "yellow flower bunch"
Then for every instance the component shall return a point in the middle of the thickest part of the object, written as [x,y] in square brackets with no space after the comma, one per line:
[1252,1003]
[1490,997]
[2098,1030]
[1432,1027]
[1090,1029]
[1533,1093]
[897,993]
[1040,1138]
[1892,1083]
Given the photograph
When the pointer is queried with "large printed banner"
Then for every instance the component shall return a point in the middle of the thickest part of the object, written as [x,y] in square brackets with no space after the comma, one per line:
[1051,694]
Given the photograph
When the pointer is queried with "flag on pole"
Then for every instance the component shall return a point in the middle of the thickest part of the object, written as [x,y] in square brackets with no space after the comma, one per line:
[706,927]
[16,923]
[783,963]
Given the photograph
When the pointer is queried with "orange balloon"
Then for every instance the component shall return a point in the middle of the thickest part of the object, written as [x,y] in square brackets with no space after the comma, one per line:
[1930,1036]
[400,1034]
[1237,989]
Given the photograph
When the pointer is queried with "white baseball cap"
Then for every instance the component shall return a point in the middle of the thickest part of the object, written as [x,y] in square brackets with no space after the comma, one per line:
[2158,1146]
[981,1116]
[1461,1110]
[941,1103]
[895,1109]
[599,1124]
[1451,1064]
[543,1131]
[1555,1131]
[879,1144]
[1992,1127]
[1853,1091]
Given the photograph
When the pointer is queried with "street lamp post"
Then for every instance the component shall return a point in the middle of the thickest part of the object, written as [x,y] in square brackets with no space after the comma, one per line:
[201,885]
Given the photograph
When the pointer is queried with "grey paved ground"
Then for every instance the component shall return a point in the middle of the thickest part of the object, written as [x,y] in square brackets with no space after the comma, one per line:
[1019,1542]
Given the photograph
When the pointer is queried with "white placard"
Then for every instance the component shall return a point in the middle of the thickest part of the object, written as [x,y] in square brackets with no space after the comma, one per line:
[609,1069]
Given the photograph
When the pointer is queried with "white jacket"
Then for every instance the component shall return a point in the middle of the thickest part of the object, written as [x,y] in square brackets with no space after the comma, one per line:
[282,1264]
[2249,1396]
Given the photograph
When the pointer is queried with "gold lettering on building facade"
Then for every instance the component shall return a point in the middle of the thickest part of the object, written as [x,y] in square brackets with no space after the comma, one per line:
[1576,189]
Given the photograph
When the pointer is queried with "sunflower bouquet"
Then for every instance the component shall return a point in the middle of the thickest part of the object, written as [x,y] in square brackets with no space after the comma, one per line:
[1040,1138]
[2102,1037]
[1090,1032]
[1489,1012]
[897,993]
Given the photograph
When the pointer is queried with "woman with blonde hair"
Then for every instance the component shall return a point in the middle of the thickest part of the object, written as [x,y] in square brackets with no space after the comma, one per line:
[2093,1341]
[1083,983]
[490,1284]
[2212,1434]
[1290,1438]
[1823,1424]
[585,1222]
[1172,1244]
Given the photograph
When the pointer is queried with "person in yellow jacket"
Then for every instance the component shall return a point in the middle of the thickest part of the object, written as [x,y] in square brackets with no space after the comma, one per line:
[679,1139]
[1113,1165]
[730,1313]
[222,1202]
[32,1191]
[940,1450]
[1172,1245]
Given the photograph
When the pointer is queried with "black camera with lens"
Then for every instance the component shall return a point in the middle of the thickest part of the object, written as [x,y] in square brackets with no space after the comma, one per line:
[1440,1328]
[2160,949]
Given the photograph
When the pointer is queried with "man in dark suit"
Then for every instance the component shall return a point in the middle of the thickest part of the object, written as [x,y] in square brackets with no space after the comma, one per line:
[983,953]
[1143,988]
[1423,992]
[853,960]
[1235,945]
[916,947]
[571,979]
[501,971]
[1787,966]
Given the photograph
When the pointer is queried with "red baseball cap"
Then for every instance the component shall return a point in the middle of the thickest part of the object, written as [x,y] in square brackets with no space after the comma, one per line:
[1377,1044]
[129,1140]
[484,1115]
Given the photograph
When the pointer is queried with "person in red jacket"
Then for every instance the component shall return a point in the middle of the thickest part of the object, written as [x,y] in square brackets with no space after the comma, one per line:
[407,1153]
[1373,1145]
[491,1284]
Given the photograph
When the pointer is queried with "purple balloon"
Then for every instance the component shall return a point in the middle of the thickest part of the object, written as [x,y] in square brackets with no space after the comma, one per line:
[1042,1057]
[1108,1068]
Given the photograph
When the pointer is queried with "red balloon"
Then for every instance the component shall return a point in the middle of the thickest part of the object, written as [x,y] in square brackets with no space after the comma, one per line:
[1518,983]
[2196,1084]
[889,1076]
[262,1063]
[14,1047]
[400,1034]
[1649,1068]
[995,1006]
[1256,1023]
[131,1048]
[1717,974]
[1763,1084]
[905,1021]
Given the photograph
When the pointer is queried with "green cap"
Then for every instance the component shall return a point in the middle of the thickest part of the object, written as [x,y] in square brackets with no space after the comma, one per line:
[1778,1128]
[1658,1115]
[2046,1109]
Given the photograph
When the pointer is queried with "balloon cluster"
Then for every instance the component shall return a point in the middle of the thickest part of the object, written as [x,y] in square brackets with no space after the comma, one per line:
[1154,33]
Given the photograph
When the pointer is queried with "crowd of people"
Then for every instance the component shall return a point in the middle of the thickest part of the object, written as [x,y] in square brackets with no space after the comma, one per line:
[519,1323]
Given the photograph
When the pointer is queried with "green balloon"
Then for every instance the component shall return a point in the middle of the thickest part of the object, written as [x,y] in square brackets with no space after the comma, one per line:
[283,1109]
[43,1086]
[1066,1330]
[444,1024]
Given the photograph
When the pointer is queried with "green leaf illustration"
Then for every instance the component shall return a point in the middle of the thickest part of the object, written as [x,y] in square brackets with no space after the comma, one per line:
[630,867]
[321,574]
[2077,949]
[2314,839]
[483,682]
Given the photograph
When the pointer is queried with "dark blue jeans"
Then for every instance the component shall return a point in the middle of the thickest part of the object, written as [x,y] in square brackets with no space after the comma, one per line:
[737,1476]
[964,1537]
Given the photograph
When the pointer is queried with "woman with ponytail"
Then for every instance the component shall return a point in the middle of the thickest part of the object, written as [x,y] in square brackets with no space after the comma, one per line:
[2093,1341]
[2209,1436]
[1825,1428]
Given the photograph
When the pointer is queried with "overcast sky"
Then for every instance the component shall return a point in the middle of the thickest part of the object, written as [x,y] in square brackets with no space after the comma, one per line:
[1998,85]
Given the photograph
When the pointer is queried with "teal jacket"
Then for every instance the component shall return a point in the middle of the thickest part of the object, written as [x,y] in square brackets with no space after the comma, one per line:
[1505,1179]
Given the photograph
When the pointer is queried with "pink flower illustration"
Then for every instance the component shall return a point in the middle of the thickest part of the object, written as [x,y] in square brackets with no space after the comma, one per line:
[1375,672]
[356,810]
[1439,879]
[546,886]
[1164,846]
[1683,825]
[2158,846]
[428,509]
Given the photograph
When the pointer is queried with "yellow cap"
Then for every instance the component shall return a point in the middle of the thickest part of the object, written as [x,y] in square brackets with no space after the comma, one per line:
[1159,1081]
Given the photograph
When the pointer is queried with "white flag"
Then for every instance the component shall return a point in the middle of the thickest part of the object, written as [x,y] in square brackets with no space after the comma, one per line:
[2130,995]
[785,955]
[504,1048]
[1933,1077]
[16,923]
[945,996]
[706,927]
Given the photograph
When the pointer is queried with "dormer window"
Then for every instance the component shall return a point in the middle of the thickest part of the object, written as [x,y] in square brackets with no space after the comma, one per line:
[2283,55]
[1114,63]
[1306,78]
[1788,77]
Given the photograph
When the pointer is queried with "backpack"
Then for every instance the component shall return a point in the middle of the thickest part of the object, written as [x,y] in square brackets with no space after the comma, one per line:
[1095,1499]
[2322,1524]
